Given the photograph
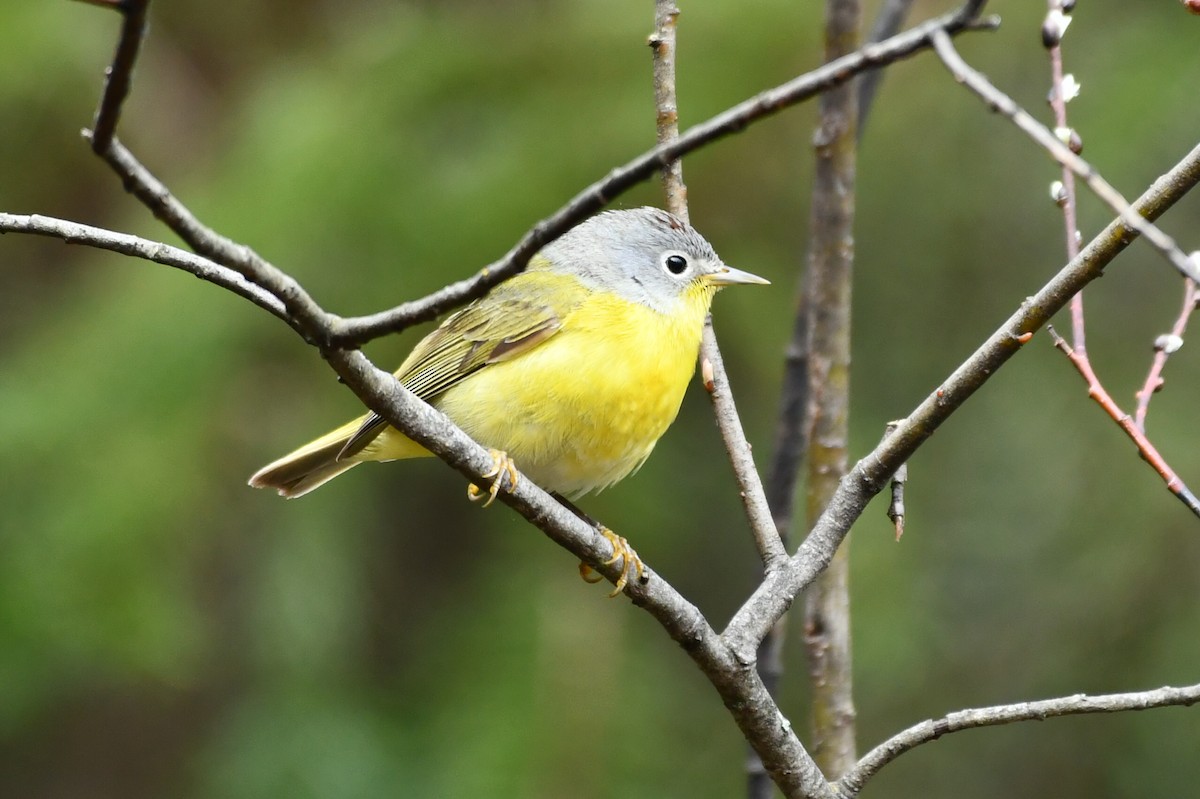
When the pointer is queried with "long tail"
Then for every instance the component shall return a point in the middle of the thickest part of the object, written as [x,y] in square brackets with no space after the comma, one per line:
[314,464]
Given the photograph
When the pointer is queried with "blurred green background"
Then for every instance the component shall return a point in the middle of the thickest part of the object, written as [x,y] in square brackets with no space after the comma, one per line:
[166,631]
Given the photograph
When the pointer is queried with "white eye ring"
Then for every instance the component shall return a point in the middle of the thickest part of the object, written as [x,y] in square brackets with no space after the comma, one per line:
[675,263]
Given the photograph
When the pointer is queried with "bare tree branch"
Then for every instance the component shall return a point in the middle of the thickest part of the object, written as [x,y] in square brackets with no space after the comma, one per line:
[666,104]
[754,498]
[889,20]
[716,381]
[932,729]
[830,283]
[358,330]
[1052,31]
[203,268]
[727,659]
[870,475]
[1190,267]
[1164,347]
[1001,102]
[119,79]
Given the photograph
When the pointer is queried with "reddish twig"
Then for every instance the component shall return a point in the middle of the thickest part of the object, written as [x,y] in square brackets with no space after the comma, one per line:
[1064,154]
[1053,28]
[1146,449]
[1164,347]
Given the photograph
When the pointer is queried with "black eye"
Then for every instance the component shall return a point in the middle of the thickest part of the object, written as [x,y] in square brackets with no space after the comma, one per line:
[676,264]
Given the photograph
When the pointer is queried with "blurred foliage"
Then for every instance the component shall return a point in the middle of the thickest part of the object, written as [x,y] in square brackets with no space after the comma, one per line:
[165,631]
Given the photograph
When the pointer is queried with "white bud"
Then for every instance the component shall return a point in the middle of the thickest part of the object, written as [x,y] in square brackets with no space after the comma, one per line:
[1070,88]
[1056,23]
[1168,343]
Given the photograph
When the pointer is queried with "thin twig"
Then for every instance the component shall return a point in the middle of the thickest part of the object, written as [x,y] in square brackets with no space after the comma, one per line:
[203,268]
[1188,266]
[890,19]
[1145,448]
[307,317]
[896,511]
[1164,347]
[1053,29]
[715,377]
[974,718]
[754,498]
[869,476]
[119,78]
[1006,106]
[1052,33]
[666,103]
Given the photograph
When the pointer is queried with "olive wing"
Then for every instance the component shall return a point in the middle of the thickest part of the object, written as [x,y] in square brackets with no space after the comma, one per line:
[514,318]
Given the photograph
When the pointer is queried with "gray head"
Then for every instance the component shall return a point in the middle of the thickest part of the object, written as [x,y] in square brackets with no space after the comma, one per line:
[643,254]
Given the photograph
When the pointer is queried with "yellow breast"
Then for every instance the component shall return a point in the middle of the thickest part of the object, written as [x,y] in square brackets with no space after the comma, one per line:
[585,408]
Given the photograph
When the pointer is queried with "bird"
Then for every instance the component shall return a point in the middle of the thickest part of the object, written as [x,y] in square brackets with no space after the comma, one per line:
[570,370]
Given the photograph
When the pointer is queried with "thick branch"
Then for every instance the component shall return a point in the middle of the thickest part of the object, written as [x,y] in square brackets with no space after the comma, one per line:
[830,279]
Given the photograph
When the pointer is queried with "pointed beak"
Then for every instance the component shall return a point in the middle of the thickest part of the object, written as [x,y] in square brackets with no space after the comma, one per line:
[728,276]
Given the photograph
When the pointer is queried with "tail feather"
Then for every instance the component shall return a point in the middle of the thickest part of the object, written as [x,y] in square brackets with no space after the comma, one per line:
[314,464]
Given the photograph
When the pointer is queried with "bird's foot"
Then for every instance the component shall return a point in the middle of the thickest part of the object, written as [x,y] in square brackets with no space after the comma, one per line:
[502,466]
[621,551]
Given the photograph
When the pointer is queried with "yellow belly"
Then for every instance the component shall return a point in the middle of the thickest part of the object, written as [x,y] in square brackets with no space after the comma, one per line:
[585,408]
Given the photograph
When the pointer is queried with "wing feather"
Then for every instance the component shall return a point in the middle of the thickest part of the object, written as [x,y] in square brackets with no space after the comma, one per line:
[512,319]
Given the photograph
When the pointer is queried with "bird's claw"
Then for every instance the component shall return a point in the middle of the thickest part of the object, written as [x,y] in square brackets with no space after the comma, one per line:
[502,466]
[621,551]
